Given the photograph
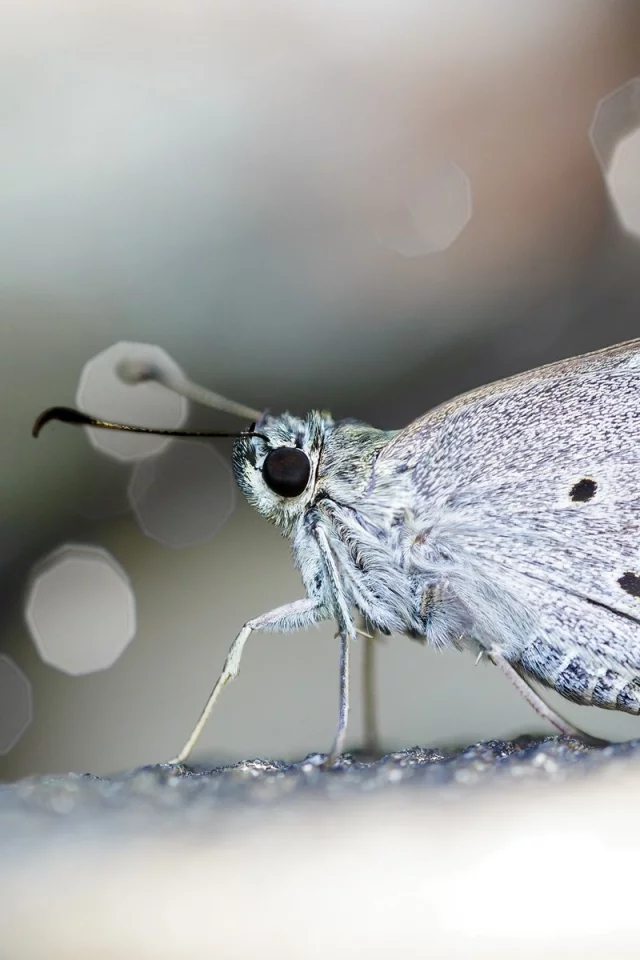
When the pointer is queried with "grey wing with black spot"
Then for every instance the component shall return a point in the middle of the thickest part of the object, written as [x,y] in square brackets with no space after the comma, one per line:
[527,502]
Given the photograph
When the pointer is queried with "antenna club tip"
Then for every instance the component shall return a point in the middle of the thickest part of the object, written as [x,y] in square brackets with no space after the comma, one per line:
[134,371]
[65,414]
[40,421]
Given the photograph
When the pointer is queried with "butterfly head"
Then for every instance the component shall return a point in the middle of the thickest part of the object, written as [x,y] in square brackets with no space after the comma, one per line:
[276,464]
[291,463]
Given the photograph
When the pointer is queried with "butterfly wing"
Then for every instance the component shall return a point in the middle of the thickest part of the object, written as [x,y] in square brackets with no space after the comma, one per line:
[526,501]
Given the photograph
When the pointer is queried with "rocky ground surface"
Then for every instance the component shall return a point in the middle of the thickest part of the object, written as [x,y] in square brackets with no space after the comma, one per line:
[447,851]
[193,791]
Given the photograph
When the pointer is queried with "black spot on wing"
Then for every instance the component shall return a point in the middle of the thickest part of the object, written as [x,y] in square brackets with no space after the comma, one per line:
[631,583]
[583,490]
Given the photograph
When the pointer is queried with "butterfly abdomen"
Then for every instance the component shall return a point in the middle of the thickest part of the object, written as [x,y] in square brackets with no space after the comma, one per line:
[574,678]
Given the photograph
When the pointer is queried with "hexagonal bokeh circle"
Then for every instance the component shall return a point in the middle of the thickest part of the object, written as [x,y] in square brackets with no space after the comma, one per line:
[16,704]
[624,181]
[80,609]
[429,216]
[103,393]
[615,136]
[184,495]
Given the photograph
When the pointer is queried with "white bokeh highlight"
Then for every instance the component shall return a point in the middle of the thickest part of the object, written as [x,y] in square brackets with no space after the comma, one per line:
[624,181]
[429,214]
[103,393]
[183,496]
[615,136]
[16,704]
[80,609]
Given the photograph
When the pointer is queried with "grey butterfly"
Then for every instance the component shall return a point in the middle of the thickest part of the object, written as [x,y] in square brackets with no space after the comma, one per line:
[504,522]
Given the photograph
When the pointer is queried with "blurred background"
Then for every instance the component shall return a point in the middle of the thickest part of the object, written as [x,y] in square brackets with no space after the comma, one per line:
[364,207]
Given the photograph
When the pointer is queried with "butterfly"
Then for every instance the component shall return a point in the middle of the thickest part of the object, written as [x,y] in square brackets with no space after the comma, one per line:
[504,522]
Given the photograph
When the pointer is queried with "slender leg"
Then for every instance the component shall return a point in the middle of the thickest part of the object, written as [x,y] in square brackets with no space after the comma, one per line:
[343,716]
[371,742]
[292,616]
[535,700]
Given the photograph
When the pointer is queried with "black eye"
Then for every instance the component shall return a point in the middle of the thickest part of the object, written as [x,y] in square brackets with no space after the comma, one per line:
[286,471]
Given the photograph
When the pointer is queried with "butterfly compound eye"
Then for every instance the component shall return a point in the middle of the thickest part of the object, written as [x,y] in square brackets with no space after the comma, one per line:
[286,471]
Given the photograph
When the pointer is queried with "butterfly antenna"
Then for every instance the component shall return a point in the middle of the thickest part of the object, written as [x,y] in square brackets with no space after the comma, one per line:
[76,417]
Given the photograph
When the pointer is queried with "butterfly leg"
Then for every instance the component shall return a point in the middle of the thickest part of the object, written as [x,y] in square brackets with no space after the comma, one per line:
[343,715]
[371,741]
[535,700]
[292,616]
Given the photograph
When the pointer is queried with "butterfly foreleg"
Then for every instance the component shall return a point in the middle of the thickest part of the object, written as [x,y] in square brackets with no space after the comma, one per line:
[291,616]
